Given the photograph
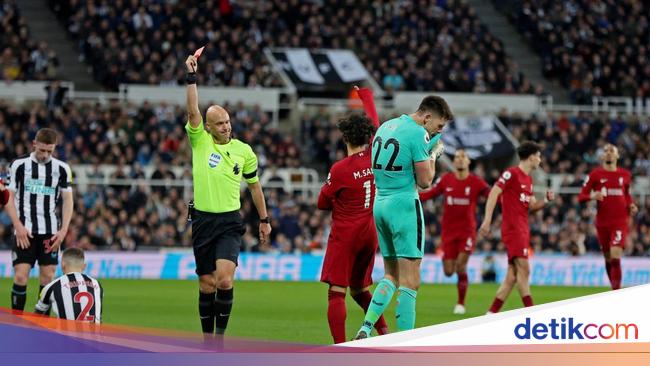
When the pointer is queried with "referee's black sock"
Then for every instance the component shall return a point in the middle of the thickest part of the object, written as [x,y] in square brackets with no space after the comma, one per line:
[222,307]
[206,312]
[18,297]
[40,289]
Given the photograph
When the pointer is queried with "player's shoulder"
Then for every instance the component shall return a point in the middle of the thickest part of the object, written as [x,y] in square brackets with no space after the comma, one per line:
[58,162]
[476,178]
[20,160]
[596,171]
[625,172]
[341,166]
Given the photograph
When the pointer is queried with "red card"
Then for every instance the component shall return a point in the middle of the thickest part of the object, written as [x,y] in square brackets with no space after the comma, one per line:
[198,52]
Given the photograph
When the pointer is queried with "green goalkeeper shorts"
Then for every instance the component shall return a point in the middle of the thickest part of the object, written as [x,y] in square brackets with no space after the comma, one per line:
[400,226]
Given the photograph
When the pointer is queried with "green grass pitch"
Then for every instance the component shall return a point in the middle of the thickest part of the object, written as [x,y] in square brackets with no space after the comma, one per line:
[286,311]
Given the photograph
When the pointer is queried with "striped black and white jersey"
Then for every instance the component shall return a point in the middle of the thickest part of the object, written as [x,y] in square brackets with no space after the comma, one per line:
[37,188]
[73,296]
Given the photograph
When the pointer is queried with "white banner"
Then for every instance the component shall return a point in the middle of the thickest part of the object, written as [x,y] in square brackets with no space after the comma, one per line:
[347,65]
[612,317]
[303,65]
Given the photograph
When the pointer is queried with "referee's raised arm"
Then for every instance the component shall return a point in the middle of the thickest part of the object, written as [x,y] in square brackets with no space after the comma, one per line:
[193,112]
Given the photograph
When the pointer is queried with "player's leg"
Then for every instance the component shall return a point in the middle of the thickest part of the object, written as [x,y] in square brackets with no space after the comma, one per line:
[449,255]
[504,290]
[23,259]
[47,262]
[336,272]
[409,246]
[604,239]
[336,313]
[363,297]
[409,284]
[361,275]
[522,272]
[619,235]
[19,289]
[381,297]
[463,282]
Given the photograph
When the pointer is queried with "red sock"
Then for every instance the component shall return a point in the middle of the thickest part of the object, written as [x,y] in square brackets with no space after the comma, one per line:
[462,287]
[528,301]
[336,315]
[616,274]
[363,299]
[608,268]
[496,305]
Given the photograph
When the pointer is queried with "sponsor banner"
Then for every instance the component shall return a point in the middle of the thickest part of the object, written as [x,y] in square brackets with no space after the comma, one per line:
[545,269]
[320,70]
[610,317]
[481,137]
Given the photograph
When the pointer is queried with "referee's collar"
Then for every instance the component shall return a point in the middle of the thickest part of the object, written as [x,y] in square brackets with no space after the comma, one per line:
[33,156]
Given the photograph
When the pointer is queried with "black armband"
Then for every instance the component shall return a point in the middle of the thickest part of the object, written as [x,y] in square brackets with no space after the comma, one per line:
[190,78]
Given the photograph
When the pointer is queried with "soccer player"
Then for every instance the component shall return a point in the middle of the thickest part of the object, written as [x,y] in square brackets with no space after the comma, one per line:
[36,183]
[349,193]
[403,157]
[461,191]
[609,185]
[219,162]
[75,295]
[515,186]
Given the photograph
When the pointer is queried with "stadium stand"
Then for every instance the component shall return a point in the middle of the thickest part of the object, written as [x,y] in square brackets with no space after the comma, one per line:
[133,217]
[593,48]
[431,45]
[21,57]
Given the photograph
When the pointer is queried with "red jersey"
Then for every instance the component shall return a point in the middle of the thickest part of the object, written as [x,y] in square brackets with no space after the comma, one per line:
[460,198]
[517,188]
[615,186]
[349,191]
[4,195]
[350,187]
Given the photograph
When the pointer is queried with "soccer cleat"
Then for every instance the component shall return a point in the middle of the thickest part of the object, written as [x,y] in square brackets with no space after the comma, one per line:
[489,312]
[361,335]
[459,309]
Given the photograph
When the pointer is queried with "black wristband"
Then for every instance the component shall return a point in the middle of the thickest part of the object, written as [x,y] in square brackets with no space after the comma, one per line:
[190,78]
[265,220]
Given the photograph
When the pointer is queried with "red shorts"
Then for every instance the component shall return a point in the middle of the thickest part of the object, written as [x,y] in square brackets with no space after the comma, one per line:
[456,244]
[517,246]
[350,257]
[612,236]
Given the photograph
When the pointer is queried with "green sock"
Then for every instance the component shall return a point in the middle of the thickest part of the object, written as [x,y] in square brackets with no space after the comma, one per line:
[380,300]
[405,312]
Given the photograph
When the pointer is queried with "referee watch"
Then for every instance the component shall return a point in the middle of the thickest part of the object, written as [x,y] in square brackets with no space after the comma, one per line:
[265,220]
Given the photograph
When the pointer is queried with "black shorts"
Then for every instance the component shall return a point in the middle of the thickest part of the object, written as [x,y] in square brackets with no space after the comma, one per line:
[36,251]
[215,236]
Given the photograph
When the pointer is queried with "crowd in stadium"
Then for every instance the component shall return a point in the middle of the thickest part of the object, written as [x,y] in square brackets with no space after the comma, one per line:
[22,57]
[438,45]
[593,48]
[128,218]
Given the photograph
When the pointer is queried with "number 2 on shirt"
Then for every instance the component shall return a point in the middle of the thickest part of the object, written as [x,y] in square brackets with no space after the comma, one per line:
[83,316]
[391,161]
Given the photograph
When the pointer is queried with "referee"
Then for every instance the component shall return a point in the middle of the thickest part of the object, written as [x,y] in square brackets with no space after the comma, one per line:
[37,182]
[219,162]
[75,295]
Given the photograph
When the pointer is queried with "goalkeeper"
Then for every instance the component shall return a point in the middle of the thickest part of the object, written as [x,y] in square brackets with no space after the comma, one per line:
[404,153]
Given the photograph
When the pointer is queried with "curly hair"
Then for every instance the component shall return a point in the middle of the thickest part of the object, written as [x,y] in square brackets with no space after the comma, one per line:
[356,129]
